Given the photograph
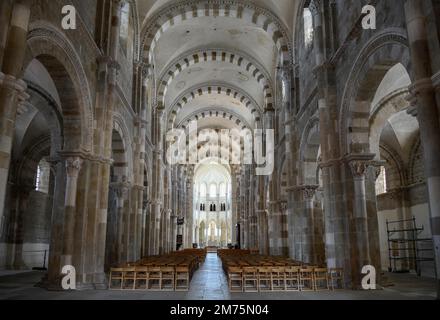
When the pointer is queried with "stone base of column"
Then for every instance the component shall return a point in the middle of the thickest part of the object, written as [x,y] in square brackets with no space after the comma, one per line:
[101,281]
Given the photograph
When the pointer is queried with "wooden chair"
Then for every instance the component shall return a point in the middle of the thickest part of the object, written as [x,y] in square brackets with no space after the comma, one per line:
[336,278]
[264,279]
[306,279]
[291,280]
[320,279]
[154,279]
[278,279]
[116,274]
[235,279]
[129,275]
[250,279]
[142,274]
[182,278]
[167,279]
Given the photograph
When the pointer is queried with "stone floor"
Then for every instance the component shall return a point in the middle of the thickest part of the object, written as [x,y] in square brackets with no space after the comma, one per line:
[209,283]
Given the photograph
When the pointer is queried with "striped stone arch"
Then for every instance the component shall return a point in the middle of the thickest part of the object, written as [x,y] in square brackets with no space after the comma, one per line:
[185,10]
[216,55]
[206,114]
[215,89]
[54,50]
[381,53]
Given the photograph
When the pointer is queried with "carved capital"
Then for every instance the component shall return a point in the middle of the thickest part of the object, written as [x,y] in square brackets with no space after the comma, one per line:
[283,205]
[309,191]
[121,190]
[358,168]
[359,163]
[73,166]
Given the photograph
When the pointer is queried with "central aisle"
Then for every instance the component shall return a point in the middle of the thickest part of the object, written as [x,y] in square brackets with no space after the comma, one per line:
[209,282]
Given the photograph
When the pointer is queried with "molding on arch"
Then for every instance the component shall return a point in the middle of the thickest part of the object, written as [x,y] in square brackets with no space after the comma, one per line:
[40,32]
[417,144]
[369,54]
[137,27]
[214,88]
[171,14]
[37,150]
[398,162]
[49,109]
[209,113]
[312,123]
[193,57]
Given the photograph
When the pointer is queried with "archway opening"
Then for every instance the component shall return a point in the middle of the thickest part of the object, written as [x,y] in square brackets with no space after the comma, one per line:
[399,182]
[212,207]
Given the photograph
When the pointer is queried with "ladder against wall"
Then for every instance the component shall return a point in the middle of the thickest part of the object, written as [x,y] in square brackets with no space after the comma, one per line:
[407,251]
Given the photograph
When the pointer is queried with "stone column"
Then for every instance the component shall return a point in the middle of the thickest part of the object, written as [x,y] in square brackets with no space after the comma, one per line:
[359,220]
[12,89]
[373,220]
[73,167]
[272,221]
[5,17]
[428,109]
[157,184]
[234,204]
[121,190]
[336,238]
[173,232]
[264,232]
[259,213]
[308,223]
[189,214]
[253,225]
[296,223]
[243,218]
[292,180]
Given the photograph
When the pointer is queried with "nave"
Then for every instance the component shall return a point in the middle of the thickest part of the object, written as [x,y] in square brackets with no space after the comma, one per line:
[283,127]
[210,283]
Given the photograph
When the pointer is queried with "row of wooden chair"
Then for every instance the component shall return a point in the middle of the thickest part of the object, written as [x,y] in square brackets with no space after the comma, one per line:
[150,278]
[258,261]
[265,279]
[172,272]
[232,252]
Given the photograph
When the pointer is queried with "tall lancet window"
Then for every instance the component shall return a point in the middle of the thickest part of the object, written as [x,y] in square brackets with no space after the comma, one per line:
[308,27]
[42,178]
[125,24]
[213,191]
[381,182]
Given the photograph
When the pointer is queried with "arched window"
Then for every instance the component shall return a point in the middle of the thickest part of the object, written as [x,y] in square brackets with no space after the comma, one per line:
[213,190]
[222,190]
[381,182]
[125,26]
[43,175]
[203,190]
[308,27]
